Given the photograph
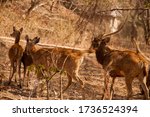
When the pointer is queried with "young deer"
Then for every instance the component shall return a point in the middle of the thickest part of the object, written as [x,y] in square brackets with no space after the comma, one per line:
[15,54]
[128,64]
[62,59]
[27,61]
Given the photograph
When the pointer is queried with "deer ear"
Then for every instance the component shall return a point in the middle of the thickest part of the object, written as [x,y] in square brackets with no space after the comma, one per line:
[21,29]
[96,39]
[27,38]
[14,28]
[106,40]
[36,40]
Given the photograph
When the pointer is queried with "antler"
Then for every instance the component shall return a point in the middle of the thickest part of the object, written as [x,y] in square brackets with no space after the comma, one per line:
[112,33]
[138,50]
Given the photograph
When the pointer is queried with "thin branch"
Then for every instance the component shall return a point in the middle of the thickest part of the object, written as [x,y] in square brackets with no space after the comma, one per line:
[34,5]
[123,9]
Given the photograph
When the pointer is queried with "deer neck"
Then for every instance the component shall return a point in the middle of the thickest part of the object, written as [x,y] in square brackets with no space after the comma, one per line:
[17,39]
[101,53]
[33,52]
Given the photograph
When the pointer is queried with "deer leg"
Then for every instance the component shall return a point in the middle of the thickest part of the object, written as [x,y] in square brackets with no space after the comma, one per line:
[28,78]
[107,94]
[34,91]
[24,73]
[15,67]
[77,78]
[41,86]
[148,81]
[146,91]
[36,84]
[111,87]
[11,75]
[12,71]
[128,81]
[19,73]
[81,82]
[47,83]
[15,78]
[69,82]
[144,86]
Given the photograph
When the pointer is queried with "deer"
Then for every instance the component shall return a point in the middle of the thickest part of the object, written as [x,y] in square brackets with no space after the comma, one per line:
[62,59]
[117,63]
[27,61]
[15,54]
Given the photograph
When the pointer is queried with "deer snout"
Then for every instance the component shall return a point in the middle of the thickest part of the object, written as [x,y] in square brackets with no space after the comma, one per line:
[28,53]
[93,47]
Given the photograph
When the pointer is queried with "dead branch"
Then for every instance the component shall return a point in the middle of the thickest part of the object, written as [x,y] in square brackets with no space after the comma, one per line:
[33,5]
[123,9]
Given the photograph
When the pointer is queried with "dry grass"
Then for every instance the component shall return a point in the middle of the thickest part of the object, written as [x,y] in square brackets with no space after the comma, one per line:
[52,26]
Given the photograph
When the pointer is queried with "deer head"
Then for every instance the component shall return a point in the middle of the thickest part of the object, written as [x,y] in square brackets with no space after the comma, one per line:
[99,40]
[31,43]
[103,39]
[16,34]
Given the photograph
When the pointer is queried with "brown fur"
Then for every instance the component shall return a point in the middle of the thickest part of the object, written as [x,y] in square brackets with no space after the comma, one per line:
[15,55]
[27,61]
[118,63]
[62,59]
[138,50]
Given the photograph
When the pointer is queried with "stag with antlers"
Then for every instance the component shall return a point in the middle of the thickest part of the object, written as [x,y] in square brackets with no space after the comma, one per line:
[116,63]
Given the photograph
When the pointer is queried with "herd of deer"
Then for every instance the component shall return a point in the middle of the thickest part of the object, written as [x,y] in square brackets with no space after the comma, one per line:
[116,63]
